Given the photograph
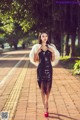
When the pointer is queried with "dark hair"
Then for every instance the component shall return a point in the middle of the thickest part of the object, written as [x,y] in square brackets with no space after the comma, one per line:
[39,38]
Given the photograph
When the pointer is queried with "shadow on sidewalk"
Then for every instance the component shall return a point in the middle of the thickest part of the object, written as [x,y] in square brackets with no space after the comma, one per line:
[57,116]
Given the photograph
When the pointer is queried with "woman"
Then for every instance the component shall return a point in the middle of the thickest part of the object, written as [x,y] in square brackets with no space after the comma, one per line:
[44,56]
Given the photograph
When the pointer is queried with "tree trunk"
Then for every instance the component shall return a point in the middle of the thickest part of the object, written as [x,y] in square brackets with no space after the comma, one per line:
[23,45]
[15,46]
[79,37]
[3,46]
[78,26]
[73,37]
[67,46]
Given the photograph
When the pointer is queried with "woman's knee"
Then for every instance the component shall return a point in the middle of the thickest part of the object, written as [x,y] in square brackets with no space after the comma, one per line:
[42,91]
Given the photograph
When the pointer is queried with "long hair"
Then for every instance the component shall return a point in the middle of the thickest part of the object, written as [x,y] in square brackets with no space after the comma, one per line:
[39,38]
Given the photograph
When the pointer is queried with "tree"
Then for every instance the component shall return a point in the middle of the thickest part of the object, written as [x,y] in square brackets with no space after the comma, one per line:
[27,15]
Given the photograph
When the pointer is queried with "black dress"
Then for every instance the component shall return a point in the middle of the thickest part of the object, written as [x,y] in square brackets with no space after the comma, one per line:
[44,71]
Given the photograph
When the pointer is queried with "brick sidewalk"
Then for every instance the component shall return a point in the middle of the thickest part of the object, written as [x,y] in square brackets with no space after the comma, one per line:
[22,98]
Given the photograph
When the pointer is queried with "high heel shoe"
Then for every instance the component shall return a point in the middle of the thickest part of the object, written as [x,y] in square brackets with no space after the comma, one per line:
[46,114]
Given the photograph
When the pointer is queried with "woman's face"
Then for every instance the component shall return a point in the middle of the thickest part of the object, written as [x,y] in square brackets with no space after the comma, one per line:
[44,37]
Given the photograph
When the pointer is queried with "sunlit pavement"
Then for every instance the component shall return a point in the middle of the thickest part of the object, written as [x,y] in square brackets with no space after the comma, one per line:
[20,95]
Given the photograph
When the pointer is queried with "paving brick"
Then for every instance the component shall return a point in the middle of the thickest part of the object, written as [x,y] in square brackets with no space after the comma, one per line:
[21,96]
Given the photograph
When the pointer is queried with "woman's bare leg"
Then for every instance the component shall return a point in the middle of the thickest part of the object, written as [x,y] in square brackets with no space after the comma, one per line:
[47,96]
[43,97]
[42,94]
[46,101]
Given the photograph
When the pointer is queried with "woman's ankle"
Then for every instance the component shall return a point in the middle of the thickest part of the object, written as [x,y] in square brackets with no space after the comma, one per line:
[46,107]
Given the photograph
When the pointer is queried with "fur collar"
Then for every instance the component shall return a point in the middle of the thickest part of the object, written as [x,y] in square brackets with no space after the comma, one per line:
[36,47]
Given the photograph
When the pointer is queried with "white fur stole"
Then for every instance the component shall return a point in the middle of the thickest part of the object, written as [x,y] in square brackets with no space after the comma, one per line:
[36,47]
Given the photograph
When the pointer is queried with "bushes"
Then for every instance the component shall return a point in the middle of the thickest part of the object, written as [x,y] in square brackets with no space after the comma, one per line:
[77,67]
[71,63]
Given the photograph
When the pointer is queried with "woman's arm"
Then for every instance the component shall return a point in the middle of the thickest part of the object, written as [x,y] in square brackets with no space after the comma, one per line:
[53,56]
[36,55]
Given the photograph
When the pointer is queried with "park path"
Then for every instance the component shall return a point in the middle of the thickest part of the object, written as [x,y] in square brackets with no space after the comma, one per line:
[20,95]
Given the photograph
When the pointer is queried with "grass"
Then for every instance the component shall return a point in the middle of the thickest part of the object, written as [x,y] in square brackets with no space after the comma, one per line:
[68,63]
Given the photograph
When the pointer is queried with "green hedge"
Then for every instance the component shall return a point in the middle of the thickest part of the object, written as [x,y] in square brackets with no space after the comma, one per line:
[77,67]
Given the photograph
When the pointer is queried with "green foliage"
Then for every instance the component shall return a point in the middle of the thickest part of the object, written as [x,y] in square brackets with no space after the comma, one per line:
[68,62]
[15,21]
[35,15]
[29,38]
[77,67]
[64,57]
[15,12]
[2,39]
[26,25]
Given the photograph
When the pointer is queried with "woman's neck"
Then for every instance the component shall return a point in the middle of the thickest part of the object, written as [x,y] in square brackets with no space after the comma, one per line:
[43,44]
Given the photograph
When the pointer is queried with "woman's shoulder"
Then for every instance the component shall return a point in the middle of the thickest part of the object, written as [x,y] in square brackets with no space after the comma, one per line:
[51,45]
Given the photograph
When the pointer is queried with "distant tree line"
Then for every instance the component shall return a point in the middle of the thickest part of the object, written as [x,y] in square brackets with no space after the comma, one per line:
[62,21]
